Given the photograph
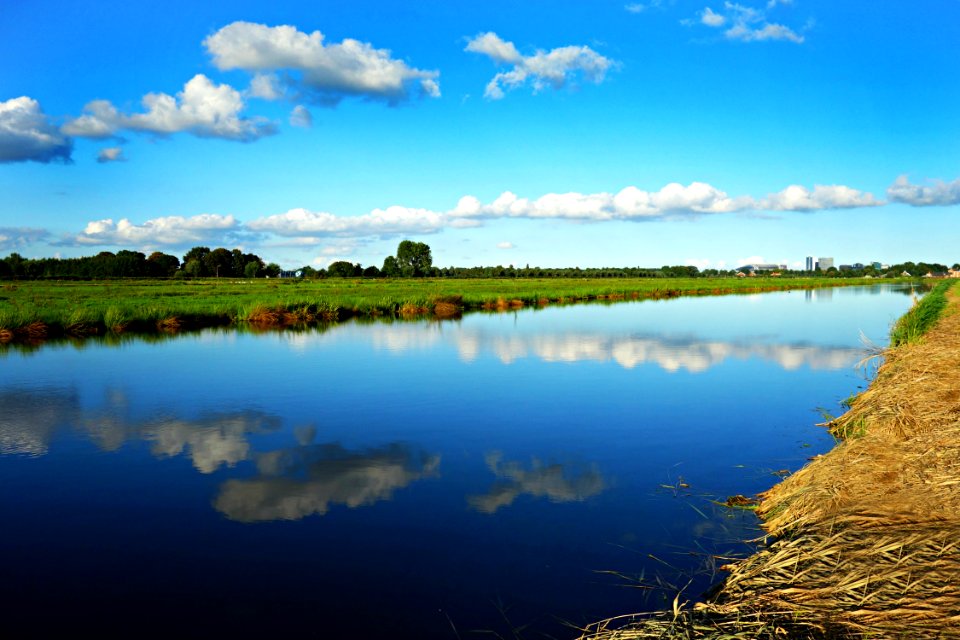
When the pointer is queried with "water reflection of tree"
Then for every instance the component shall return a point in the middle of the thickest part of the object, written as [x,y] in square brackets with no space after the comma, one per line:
[306,480]
[556,482]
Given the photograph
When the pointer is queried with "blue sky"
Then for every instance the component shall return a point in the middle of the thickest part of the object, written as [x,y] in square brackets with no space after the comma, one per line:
[544,133]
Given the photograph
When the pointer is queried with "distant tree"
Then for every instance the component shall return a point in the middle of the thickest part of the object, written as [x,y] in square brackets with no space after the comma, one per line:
[272,270]
[197,253]
[162,265]
[193,268]
[390,269]
[414,258]
[5,270]
[341,269]
[308,272]
[218,262]
[371,272]
[251,269]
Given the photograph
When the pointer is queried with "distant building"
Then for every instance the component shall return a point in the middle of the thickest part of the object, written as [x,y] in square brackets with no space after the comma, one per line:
[857,266]
[758,267]
[878,266]
[845,267]
[811,263]
[824,263]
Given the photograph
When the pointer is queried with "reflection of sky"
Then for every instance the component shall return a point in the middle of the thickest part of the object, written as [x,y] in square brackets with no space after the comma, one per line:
[598,407]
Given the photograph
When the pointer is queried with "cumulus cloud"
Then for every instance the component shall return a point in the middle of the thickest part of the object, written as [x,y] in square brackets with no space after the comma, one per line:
[937,194]
[324,72]
[203,108]
[749,24]
[171,230]
[110,154]
[798,198]
[17,237]
[27,134]
[673,201]
[391,221]
[301,117]
[543,69]
[505,245]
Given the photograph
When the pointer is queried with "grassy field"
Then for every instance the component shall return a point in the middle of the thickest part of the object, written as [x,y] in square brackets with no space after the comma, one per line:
[35,310]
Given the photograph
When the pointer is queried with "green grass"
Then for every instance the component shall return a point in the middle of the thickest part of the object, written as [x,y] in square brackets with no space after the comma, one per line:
[117,306]
[912,325]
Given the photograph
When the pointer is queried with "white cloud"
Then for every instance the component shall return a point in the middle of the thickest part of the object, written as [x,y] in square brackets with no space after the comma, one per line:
[711,19]
[939,193]
[505,245]
[266,86]
[301,117]
[748,24]
[27,134]
[328,72]
[203,108]
[172,230]
[542,69]
[640,7]
[16,237]
[699,263]
[110,154]
[391,221]
[798,198]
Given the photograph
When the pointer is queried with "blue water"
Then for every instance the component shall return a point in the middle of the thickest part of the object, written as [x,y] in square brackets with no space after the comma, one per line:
[501,473]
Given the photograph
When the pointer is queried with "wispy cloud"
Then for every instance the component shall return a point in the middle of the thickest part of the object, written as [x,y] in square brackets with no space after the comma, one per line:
[203,108]
[542,69]
[301,117]
[19,237]
[27,134]
[316,71]
[936,194]
[748,24]
[110,154]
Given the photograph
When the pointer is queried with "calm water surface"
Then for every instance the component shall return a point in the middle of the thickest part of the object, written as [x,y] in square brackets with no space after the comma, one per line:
[497,473]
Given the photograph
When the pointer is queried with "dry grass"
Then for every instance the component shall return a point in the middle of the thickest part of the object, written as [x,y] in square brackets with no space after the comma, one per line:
[866,539]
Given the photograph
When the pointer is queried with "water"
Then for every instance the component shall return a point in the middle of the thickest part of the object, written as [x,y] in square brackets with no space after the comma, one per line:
[503,473]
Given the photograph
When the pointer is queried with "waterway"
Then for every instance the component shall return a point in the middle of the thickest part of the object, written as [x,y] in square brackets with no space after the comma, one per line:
[504,474]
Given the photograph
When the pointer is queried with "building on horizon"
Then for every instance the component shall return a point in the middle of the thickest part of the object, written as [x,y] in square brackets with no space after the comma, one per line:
[824,263]
[811,263]
[758,267]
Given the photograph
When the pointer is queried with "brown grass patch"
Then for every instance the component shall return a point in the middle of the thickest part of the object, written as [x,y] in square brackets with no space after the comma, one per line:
[6,335]
[36,330]
[169,325]
[410,310]
[446,310]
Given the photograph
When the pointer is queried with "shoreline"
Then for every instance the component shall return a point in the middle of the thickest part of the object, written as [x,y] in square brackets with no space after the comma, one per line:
[33,312]
[863,541]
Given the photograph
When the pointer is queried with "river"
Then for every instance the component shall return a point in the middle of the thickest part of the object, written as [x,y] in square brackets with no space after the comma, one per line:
[503,474]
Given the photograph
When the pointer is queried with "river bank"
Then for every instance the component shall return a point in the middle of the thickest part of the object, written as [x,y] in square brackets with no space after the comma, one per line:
[32,311]
[864,541]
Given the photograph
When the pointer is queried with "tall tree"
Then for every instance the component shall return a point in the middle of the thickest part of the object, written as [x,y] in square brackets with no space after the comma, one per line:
[414,258]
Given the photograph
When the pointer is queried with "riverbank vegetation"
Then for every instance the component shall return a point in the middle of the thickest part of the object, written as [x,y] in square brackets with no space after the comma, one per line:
[35,310]
[864,542]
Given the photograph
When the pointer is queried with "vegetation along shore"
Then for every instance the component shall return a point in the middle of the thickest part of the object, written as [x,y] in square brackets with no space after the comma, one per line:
[34,310]
[863,542]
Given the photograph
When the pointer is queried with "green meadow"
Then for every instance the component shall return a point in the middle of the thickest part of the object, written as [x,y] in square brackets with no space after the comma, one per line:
[35,310]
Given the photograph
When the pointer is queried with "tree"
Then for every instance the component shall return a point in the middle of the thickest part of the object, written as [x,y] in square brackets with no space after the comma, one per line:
[218,262]
[342,269]
[197,253]
[161,265]
[390,267]
[414,258]
[272,270]
[251,269]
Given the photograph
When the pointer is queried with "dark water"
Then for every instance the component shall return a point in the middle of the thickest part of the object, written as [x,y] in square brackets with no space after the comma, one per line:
[501,474]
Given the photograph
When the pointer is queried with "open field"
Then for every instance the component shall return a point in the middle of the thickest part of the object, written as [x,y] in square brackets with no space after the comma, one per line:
[34,310]
[864,542]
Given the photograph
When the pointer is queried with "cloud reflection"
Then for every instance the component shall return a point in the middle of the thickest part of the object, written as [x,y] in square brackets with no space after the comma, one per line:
[30,418]
[306,480]
[556,482]
[670,353]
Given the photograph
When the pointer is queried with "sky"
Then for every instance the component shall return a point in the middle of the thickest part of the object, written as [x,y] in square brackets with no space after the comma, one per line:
[555,134]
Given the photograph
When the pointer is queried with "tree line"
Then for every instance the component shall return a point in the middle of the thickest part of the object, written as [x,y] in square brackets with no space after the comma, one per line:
[412,260]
